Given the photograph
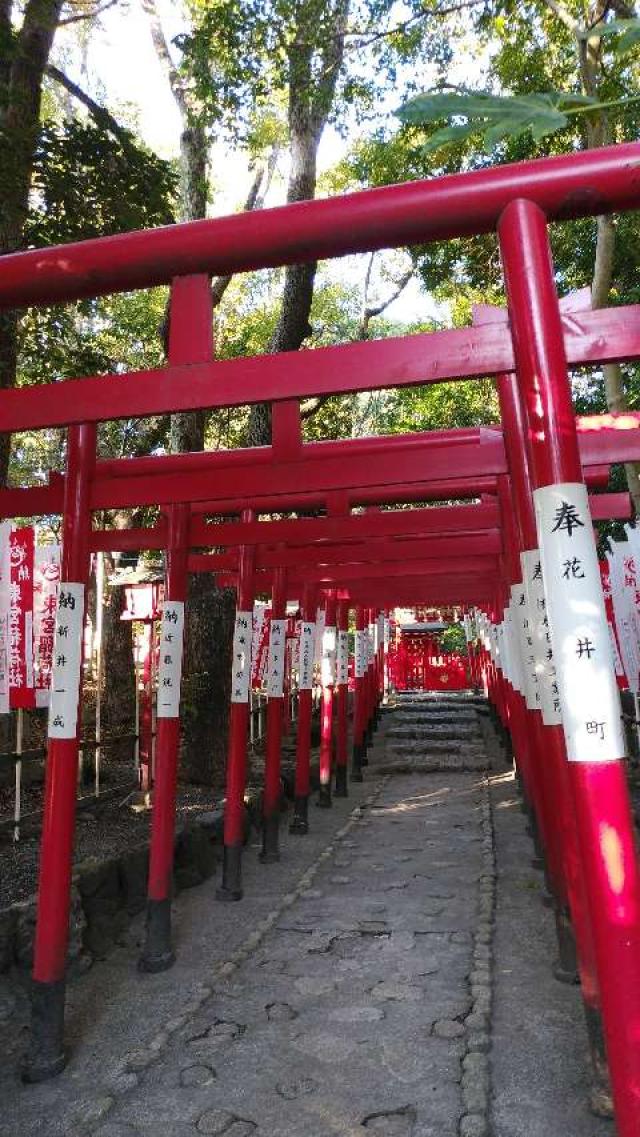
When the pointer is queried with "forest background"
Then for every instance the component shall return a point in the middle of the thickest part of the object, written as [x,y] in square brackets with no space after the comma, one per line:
[123,114]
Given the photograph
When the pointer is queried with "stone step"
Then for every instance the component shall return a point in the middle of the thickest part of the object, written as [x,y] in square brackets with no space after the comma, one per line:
[427,731]
[430,764]
[434,747]
[436,714]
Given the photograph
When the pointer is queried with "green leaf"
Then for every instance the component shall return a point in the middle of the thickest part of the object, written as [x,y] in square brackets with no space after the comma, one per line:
[449,134]
[430,107]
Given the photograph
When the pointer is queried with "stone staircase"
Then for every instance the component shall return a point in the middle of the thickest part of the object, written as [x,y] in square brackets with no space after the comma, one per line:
[426,732]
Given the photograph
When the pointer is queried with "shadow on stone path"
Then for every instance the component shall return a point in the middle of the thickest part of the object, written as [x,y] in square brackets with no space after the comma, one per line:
[539,1044]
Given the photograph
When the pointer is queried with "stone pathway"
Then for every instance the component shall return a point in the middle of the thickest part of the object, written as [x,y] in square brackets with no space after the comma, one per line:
[376,980]
[539,1056]
[350,1014]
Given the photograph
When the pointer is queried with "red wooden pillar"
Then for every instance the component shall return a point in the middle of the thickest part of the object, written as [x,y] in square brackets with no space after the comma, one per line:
[234,810]
[342,698]
[328,678]
[585,675]
[157,954]
[359,672]
[368,686]
[275,711]
[573,925]
[46,1055]
[300,820]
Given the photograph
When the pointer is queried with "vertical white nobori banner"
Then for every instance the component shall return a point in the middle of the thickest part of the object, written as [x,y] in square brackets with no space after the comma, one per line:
[275,666]
[575,605]
[241,658]
[67,661]
[307,640]
[170,669]
[343,658]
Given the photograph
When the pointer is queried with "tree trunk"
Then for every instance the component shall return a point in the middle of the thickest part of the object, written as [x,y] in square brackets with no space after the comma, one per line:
[597,129]
[210,617]
[312,82]
[23,59]
[118,679]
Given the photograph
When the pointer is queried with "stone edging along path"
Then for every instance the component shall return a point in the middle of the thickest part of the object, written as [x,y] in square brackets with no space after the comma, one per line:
[135,1062]
[475,1084]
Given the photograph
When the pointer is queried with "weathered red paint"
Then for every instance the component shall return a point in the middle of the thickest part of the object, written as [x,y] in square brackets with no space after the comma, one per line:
[605,826]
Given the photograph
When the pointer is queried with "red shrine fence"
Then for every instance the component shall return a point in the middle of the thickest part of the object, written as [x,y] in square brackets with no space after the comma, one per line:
[552,677]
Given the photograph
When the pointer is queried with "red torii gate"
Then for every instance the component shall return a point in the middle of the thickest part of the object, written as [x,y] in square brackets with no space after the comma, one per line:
[518,201]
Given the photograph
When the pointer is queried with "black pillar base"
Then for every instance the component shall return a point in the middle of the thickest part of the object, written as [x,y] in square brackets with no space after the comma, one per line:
[46,1056]
[324,797]
[356,763]
[600,1099]
[157,954]
[300,820]
[231,887]
[270,839]
[341,788]
[565,969]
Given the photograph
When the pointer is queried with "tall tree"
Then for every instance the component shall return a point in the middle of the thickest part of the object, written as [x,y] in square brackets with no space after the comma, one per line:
[560,59]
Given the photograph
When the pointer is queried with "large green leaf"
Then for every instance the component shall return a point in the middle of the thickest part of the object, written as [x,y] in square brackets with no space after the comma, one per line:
[450,134]
[496,117]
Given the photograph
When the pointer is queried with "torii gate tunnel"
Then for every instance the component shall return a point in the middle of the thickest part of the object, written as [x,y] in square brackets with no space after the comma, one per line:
[527,547]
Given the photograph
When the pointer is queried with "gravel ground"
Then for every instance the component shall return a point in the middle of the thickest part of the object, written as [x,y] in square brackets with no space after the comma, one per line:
[103,830]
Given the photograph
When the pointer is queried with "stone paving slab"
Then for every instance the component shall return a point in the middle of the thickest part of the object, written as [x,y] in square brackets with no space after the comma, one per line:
[113,1009]
[539,1048]
[330,1027]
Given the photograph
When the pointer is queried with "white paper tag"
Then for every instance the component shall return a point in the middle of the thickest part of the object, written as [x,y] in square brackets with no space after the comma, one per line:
[241,657]
[575,605]
[67,661]
[360,653]
[343,657]
[307,639]
[170,649]
[275,665]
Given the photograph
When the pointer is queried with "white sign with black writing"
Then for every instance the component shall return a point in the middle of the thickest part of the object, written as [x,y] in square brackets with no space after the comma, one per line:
[321,617]
[307,640]
[575,605]
[170,668]
[343,657]
[275,666]
[66,664]
[328,671]
[517,678]
[241,658]
[360,659]
[524,641]
[540,635]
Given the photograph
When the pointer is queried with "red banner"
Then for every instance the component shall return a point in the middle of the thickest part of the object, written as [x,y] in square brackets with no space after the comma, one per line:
[21,554]
[45,582]
[259,645]
[621,678]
